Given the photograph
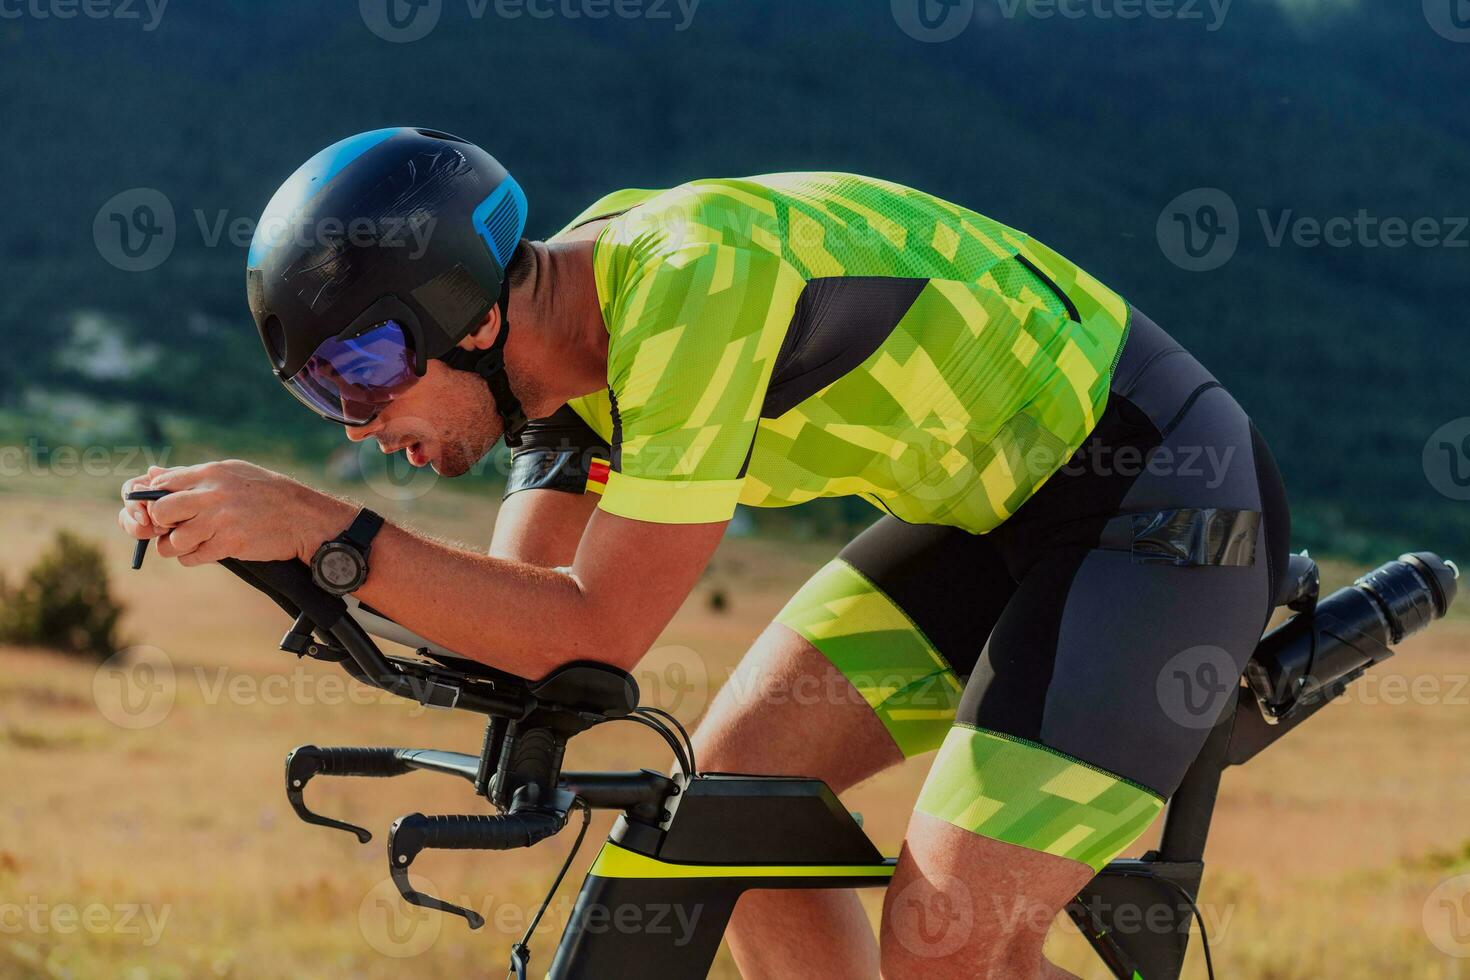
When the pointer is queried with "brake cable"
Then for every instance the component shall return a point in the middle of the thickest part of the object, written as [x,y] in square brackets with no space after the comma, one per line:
[688,742]
[1199,918]
[685,764]
[520,953]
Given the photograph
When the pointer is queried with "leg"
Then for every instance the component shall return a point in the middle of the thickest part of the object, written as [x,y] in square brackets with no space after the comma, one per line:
[846,684]
[1067,740]
[761,724]
[965,906]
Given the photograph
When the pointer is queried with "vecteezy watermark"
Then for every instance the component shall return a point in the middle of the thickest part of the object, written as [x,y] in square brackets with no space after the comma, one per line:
[135,688]
[137,230]
[149,13]
[36,918]
[676,679]
[1447,459]
[1195,686]
[1159,918]
[933,916]
[1449,18]
[404,21]
[1447,917]
[1200,230]
[37,458]
[936,21]
[395,928]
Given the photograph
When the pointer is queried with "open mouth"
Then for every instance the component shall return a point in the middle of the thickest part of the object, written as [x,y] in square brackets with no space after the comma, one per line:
[417,454]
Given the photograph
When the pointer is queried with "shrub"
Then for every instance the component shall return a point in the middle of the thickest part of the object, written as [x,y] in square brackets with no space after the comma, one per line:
[64,602]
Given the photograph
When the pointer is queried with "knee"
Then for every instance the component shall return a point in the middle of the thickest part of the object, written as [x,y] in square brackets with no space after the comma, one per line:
[934,931]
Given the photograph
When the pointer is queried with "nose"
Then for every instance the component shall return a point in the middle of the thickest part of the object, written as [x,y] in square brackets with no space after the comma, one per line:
[357,433]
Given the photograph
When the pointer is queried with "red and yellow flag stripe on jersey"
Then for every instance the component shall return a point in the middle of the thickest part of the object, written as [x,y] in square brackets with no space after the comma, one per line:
[597,476]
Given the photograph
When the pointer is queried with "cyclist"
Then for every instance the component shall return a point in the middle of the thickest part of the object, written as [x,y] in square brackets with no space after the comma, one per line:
[1073,508]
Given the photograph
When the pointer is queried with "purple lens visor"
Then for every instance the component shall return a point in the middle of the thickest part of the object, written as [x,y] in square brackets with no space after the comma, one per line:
[351,380]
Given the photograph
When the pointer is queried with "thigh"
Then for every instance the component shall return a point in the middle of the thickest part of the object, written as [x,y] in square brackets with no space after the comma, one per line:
[903,613]
[786,711]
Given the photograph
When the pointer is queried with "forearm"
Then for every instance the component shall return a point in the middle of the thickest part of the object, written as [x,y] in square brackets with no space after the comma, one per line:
[489,609]
[626,582]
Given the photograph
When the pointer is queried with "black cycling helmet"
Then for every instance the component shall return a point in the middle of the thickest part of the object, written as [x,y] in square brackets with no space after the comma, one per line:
[382,251]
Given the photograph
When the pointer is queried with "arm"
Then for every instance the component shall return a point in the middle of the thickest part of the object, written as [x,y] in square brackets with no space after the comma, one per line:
[627,578]
[626,582]
[542,527]
[547,503]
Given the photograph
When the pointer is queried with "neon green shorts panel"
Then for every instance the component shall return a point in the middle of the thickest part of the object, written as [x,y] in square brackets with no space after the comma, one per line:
[880,651]
[995,785]
[1016,791]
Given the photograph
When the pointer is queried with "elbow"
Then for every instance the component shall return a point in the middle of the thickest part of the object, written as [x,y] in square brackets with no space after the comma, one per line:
[586,631]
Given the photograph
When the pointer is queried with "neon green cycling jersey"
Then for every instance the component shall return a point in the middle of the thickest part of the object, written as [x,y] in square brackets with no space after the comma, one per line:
[780,338]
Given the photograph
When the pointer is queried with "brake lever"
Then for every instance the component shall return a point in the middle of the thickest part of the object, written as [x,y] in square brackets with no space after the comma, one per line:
[415,833]
[306,761]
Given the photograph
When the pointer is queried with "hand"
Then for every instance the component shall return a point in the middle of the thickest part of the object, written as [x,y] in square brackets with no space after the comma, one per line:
[231,509]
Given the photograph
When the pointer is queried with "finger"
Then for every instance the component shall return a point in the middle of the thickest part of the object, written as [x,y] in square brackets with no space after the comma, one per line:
[179,478]
[135,528]
[180,506]
[136,513]
[177,542]
[187,537]
[208,552]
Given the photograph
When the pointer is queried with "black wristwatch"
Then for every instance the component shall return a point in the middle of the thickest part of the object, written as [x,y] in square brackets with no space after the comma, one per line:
[340,565]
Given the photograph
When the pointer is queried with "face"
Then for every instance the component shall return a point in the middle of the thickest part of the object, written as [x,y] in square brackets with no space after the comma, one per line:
[447,420]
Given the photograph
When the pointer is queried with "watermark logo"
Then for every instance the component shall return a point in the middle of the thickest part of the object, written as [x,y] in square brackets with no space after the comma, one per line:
[135,688]
[401,21]
[1447,459]
[676,679]
[392,476]
[392,926]
[1199,230]
[933,21]
[34,917]
[1195,685]
[1447,917]
[1449,18]
[932,917]
[135,230]
[37,458]
[90,9]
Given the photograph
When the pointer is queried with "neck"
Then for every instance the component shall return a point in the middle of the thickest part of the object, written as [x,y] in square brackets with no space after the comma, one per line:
[558,338]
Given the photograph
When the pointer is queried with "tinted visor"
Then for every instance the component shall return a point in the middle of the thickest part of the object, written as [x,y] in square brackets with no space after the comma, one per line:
[350,380]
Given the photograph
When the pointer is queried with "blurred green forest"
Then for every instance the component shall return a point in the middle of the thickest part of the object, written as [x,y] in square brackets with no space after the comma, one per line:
[1080,131]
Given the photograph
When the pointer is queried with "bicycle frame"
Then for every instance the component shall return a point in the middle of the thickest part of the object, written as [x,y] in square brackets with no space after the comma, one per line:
[658,897]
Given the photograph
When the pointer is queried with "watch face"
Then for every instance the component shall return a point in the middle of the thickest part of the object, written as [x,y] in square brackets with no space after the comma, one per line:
[339,567]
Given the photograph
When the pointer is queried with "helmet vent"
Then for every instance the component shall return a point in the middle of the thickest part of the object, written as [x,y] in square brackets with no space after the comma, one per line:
[274,336]
[502,229]
[435,134]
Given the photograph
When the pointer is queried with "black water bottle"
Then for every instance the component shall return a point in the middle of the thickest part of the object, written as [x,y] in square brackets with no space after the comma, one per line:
[1349,631]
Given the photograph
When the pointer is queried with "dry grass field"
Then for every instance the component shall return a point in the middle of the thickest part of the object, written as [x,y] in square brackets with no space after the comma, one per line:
[151,838]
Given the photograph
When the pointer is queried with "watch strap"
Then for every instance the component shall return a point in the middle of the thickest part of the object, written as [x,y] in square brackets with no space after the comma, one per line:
[360,533]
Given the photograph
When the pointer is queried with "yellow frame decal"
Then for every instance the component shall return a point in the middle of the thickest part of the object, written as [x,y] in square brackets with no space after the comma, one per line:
[619,862]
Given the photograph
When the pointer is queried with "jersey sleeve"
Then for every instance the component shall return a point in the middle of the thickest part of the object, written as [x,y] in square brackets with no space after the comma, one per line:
[693,335]
[560,452]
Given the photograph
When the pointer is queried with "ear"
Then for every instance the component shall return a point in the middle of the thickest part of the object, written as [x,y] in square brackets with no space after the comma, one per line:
[484,335]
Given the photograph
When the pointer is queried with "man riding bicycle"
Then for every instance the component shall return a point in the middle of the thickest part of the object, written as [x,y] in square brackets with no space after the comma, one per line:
[1071,503]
